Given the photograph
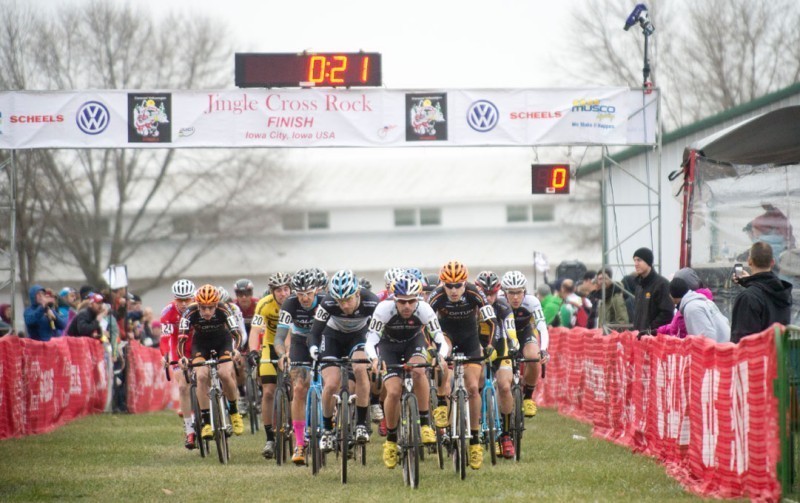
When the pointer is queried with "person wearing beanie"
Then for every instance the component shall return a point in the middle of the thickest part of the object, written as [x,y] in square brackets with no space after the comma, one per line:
[701,315]
[653,305]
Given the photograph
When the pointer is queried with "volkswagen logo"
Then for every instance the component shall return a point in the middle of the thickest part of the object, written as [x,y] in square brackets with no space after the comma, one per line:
[482,116]
[93,117]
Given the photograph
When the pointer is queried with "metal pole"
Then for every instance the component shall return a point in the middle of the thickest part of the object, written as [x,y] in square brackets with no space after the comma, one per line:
[12,251]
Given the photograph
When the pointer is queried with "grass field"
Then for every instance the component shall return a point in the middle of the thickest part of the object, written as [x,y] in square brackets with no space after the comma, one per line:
[141,458]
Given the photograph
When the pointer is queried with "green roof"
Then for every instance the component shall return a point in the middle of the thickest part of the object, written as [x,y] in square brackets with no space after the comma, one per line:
[700,125]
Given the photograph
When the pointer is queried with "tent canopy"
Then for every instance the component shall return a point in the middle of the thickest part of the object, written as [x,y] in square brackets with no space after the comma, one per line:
[771,138]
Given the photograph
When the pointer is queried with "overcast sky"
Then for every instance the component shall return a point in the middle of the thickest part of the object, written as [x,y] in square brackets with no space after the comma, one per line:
[424,43]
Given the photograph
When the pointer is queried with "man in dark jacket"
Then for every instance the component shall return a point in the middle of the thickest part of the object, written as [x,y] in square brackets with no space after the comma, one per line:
[42,320]
[766,299]
[87,322]
[653,305]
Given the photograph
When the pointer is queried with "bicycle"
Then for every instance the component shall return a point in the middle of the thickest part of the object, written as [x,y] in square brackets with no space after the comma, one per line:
[314,419]
[282,414]
[433,385]
[490,414]
[197,423]
[220,419]
[253,396]
[517,426]
[408,431]
[344,424]
[459,414]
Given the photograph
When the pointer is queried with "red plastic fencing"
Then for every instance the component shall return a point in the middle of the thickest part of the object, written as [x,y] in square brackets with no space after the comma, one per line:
[706,410]
[44,385]
[148,389]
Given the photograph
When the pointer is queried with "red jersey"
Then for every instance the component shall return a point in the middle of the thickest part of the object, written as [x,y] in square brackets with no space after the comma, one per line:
[247,314]
[384,295]
[170,318]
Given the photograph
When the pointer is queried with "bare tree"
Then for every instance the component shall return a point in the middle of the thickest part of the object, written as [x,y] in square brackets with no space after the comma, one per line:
[92,208]
[706,56]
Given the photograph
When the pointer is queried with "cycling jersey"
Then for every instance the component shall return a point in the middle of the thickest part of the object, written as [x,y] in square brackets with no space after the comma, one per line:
[529,314]
[330,315]
[237,311]
[248,313]
[459,319]
[219,332]
[266,316]
[298,320]
[505,327]
[384,295]
[170,319]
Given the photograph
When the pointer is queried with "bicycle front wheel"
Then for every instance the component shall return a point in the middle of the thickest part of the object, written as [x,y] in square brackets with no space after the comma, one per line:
[517,422]
[197,422]
[314,428]
[282,426]
[220,439]
[461,437]
[343,425]
[252,408]
[410,424]
[491,424]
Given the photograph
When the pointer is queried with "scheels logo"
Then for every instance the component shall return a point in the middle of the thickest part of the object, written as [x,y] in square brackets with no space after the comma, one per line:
[93,117]
[482,116]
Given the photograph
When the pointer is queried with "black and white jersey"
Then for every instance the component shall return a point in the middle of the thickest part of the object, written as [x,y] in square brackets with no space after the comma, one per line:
[294,317]
[387,323]
[330,315]
[460,318]
[530,313]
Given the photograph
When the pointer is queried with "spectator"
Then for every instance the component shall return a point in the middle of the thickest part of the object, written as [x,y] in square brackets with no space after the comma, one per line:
[701,315]
[588,290]
[677,327]
[613,311]
[84,292]
[543,291]
[68,303]
[88,321]
[152,334]
[653,306]
[628,285]
[42,320]
[6,326]
[766,299]
[551,307]
[572,312]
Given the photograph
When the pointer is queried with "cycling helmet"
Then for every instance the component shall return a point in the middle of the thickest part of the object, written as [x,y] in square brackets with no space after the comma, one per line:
[304,280]
[407,285]
[278,279]
[513,279]
[207,295]
[223,294]
[488,281]
[391,275]
[430,282]
[183,289]
[413,271]
[321,276]
[364,283]
[453,272]
[343,284]
[243,285]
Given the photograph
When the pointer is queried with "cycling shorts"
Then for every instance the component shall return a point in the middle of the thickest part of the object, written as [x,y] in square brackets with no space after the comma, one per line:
[267,370]
[202,347]
[526,336]
[393,352]
[469,346]
[340,344]
[298,350]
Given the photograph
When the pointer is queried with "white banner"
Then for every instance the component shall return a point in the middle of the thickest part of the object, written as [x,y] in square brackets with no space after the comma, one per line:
[326,118]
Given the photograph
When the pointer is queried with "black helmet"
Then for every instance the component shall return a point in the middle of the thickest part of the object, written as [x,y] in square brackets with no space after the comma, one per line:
[243,285]
[304,280]
[364,283]
[429,282]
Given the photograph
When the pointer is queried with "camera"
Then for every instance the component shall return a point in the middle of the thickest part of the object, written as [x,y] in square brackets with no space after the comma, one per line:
[737,270]
[641,16]
[51,305]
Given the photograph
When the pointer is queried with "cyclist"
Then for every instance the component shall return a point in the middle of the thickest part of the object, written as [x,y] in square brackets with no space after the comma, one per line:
[429,285]
[215,328]
[322,278]
[460,306]
[240,369]
[243,289]
[503,340]
[365,283]
[388,278]
[183,294]
[296,318]
[339,330]
[396,331]
[527,316]
[262,340]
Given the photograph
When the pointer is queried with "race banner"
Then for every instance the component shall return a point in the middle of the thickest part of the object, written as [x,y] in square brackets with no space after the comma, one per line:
[148,389]
[707,411]
[47,384]
[294,118]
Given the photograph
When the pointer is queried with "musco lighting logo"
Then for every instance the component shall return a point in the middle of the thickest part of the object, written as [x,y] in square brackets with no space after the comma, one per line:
[593,106]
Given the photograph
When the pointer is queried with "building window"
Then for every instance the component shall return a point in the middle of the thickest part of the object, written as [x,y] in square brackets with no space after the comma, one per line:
[517,213]
[544,213]
[293,221]
[195,224]
[430,216]
[405,218]
[317,219]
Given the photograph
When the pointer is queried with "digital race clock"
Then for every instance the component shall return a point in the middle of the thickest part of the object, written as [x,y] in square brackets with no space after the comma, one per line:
[322,69]
[550,178]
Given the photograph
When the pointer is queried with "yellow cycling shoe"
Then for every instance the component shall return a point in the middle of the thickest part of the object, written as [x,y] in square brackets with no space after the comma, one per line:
[390,454]
[440,416]
[475,456]
[207,431]
[237,423]
[529,407]
[427,434]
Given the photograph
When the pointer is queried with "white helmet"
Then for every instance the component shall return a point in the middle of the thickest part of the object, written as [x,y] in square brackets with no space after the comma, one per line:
[391,275]
[183,289]
[512,280]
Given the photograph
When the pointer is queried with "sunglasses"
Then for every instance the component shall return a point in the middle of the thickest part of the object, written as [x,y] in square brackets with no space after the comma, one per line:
[404,302]
[453,286]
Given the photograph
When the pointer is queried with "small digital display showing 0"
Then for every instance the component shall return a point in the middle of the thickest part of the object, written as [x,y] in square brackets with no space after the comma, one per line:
[329,69]
[550,178]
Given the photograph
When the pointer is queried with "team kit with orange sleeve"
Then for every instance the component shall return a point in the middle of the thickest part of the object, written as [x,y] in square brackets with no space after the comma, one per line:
[315,318]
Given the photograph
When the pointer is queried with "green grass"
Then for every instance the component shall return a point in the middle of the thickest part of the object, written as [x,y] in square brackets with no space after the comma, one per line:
[141,458]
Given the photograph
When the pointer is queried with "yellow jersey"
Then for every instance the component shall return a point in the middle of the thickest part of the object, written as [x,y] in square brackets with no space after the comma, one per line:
[266,317]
